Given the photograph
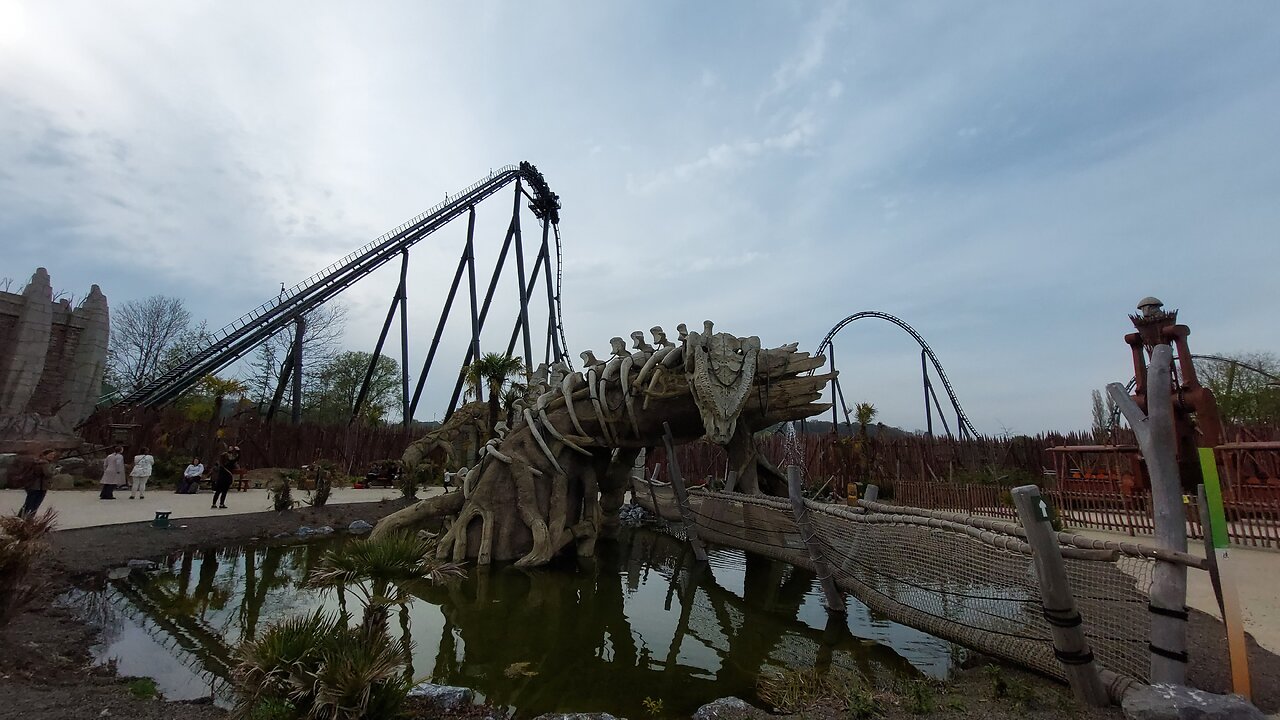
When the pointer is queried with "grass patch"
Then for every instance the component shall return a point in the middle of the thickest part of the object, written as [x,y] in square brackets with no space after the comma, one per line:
[796,691]
[143,688]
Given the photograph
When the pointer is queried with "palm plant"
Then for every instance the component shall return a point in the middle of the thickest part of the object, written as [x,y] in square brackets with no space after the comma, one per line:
[318,666]
[314,666]
[865,412]
[492,371]
[383,571]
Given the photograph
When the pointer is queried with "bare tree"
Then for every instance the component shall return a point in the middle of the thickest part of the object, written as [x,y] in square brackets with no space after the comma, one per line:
[321,343]
[143,334]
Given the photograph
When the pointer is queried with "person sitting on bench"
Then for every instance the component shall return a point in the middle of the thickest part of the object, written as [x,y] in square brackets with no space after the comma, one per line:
[190,482]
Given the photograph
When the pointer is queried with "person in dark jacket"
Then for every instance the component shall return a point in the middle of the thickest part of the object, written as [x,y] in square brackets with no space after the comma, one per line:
[38,478]
[223,474]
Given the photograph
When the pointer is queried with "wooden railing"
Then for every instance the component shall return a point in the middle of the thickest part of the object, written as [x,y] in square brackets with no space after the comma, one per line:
[1253,520]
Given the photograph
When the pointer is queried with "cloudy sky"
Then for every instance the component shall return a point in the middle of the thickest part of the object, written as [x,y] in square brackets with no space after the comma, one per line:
[1009,178]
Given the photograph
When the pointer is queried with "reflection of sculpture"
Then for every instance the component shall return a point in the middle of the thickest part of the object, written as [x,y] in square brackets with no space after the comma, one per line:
[559,476]
[600,655]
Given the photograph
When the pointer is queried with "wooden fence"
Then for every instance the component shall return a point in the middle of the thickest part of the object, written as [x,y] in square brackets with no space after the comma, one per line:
[277,444]
[1252,521]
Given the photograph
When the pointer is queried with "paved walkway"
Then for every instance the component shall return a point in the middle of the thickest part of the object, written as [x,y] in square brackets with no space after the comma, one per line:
[1258,572]
[82,508]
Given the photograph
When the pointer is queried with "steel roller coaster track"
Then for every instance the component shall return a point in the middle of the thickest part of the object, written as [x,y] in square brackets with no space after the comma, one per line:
[826,347]
[241,336]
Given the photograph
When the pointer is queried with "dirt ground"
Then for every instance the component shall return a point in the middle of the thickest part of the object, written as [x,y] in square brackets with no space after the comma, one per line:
[46,671]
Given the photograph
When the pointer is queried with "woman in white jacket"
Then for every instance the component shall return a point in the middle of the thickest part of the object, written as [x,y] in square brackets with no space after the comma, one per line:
[112,473]
[141,473]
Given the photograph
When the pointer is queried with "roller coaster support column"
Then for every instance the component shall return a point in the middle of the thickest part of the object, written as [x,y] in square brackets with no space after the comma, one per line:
[299,328]
[831,363]
[928,411]
[554,352]
[484,312]
[471,286]
[467,257]
[404,342]
[831,597]
[533,280]
[524,291]
[396,300]
[1069,642]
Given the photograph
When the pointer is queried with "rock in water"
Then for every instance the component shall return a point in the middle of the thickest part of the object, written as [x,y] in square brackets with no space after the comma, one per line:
[303,531]
[142,565]
[322,530]
[729,708]
[575,716]
[444,697]
[359,526]
[1176,702]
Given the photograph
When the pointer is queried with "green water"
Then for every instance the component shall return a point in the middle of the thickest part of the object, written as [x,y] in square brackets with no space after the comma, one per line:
[642,620]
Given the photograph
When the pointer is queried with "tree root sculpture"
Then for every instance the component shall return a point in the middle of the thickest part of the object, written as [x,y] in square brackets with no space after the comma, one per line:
[559,475]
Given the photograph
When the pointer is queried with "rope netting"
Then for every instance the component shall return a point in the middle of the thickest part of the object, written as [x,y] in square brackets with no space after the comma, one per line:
[976,586]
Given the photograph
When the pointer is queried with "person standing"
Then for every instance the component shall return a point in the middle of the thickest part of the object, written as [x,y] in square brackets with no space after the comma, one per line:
[38,477]
[191,477]
[142,464]
[222,474]
[112,473]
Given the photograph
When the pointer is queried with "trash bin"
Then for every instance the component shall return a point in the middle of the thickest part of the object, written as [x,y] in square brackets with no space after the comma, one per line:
[162,519]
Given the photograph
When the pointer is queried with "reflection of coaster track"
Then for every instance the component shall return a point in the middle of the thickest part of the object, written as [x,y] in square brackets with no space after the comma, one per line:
[927,358]
[196,646]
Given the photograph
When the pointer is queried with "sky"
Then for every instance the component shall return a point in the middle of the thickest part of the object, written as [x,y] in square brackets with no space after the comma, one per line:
[1008,178]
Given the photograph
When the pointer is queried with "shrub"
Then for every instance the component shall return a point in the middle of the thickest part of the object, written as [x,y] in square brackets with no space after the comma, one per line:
[22,546]
[322,471]
[282,496]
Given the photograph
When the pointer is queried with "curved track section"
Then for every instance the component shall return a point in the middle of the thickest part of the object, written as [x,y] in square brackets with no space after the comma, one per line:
[965,425]
[238,338]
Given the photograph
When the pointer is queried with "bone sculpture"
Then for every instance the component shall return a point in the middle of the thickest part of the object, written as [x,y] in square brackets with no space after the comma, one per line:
[558,476]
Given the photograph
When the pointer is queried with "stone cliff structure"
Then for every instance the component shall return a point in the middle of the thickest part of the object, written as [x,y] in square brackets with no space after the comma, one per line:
[52,359]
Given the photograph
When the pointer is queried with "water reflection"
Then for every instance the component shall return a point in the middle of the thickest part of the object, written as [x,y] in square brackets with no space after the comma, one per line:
[641,620]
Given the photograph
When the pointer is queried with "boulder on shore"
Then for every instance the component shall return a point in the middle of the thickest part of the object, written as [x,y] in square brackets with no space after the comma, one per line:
[1177,702]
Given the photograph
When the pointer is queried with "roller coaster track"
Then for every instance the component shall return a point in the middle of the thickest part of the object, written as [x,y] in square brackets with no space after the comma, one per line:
[962,418]
[242,335]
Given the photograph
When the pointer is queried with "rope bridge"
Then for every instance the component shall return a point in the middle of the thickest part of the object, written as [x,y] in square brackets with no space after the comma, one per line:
[965,579]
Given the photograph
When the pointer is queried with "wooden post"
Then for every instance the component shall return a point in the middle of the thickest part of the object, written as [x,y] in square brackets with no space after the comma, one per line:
[1069,642]
[1158,443]
[731,481]
[831,597]
[653,496]
[682,497]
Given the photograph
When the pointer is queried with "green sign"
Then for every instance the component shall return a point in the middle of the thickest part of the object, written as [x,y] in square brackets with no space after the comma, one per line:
[1213,495]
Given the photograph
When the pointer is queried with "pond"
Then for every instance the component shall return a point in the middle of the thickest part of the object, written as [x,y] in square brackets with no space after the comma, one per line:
[641,620]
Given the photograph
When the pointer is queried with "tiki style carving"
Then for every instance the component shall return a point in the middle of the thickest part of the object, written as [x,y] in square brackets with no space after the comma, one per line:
[558,476]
